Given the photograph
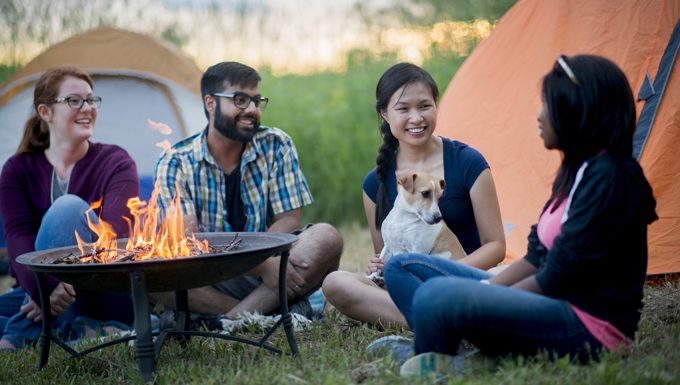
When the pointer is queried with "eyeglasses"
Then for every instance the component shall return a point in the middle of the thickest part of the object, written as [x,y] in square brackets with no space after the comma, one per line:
[242,100]
[565,67]
[78,102]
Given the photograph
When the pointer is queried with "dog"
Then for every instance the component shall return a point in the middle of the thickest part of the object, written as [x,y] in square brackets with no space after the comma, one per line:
[415,225]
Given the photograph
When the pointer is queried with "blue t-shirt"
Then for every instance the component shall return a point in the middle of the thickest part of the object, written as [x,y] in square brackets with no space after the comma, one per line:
[462,166]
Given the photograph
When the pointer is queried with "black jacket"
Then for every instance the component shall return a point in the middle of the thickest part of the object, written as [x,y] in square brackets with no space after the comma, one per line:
[599,261]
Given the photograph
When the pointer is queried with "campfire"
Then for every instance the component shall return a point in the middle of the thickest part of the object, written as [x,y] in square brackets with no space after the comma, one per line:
[148,239]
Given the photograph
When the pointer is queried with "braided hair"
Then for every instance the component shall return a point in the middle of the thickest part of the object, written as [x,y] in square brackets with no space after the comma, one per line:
[390,82]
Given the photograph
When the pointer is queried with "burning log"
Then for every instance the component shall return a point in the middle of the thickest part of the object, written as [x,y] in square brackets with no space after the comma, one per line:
[140,253]
[150,238]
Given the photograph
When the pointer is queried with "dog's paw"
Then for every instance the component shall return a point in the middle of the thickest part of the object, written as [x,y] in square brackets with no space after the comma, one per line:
[377,278]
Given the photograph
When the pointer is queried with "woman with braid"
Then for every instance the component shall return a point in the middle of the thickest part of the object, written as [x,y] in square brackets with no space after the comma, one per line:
[406,101]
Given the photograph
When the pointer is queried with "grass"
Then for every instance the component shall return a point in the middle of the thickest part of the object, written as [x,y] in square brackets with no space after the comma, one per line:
[332,352]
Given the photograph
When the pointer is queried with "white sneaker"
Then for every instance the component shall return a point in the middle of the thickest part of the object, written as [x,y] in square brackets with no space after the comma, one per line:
[400,348]
[443,364]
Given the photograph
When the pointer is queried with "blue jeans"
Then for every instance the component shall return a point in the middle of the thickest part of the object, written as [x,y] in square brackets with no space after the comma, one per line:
[444,302]
[10,302]
[60,222]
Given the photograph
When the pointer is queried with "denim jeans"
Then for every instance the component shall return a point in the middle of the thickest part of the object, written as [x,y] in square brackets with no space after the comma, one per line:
[60,222]
[444,302]
[10,302]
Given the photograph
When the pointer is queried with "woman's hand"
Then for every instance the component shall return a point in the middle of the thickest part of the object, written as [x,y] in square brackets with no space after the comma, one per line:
[32,310]
[61,298]
[375,264]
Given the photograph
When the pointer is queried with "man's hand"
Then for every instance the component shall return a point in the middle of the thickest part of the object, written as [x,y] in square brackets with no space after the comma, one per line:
[375,264]
[295,283]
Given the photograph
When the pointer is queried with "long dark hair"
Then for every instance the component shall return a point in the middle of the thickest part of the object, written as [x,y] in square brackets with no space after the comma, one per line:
[390,82]
[591,110]
[36,132]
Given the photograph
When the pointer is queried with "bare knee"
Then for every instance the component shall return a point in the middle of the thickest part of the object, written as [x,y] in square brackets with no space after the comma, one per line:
[339,288]
[324,243]
[330,237]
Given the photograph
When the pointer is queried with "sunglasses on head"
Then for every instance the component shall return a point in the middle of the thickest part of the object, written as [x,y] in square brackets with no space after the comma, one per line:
[567,70]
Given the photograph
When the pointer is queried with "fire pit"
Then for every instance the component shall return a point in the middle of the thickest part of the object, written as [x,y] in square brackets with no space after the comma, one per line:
[157,275]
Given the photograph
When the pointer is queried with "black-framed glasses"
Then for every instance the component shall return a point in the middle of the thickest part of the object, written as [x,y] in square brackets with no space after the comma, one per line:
[78,102]
[567,70]
[242,100]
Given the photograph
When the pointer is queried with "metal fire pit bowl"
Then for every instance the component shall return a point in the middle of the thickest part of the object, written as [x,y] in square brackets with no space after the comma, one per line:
[179,274]
[163,274]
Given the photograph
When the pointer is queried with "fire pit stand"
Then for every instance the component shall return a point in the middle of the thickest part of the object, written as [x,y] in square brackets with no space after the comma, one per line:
[152,276]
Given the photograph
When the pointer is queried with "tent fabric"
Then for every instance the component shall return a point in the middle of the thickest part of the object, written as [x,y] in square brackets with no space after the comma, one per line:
[108,47]
[138,78]
[652,101]
[493,101]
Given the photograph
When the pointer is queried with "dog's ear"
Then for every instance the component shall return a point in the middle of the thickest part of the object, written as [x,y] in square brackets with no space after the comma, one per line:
[408,182]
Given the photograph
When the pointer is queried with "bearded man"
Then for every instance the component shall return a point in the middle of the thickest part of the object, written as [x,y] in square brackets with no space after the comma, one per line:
[240,176]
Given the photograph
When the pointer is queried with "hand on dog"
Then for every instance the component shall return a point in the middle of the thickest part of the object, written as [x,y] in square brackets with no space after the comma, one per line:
[374,264]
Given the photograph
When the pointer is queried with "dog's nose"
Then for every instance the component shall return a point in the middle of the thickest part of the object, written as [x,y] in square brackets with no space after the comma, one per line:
[437,218]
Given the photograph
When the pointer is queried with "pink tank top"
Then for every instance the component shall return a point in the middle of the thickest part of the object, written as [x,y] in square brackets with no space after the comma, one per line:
[550,224]
[549,227]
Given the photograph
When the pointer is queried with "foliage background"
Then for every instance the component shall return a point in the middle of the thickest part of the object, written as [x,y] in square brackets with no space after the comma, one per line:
[332,119]
[329,113]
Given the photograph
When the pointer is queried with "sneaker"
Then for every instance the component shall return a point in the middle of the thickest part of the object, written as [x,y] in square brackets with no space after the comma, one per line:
[443,364]
[302,307]
[318,303]
[205,321]
[400,348]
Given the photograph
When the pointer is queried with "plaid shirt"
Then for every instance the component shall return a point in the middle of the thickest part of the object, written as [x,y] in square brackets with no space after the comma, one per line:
[271,180]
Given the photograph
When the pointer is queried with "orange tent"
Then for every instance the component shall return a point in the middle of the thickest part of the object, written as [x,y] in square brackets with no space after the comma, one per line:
[494,99]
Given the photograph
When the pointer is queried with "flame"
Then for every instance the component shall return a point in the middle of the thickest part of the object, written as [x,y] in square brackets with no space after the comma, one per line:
[164,144]
[148,239]
[160,127]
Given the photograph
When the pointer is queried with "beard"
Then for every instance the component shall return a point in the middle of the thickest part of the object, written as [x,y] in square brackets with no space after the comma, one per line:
[226,125]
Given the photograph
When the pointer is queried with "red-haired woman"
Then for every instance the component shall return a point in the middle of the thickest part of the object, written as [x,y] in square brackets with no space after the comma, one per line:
[45,189]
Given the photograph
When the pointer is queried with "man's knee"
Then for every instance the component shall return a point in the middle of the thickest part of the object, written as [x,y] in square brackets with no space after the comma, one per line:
[326,240]
[328,236]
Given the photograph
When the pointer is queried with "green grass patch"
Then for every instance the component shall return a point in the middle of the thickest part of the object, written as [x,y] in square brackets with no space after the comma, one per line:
[332,352]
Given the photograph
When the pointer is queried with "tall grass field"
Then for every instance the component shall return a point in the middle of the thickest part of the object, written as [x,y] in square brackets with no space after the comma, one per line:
[332,120]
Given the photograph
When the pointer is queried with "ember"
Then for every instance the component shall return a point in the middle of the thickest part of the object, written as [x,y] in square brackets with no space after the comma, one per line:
[148,239]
